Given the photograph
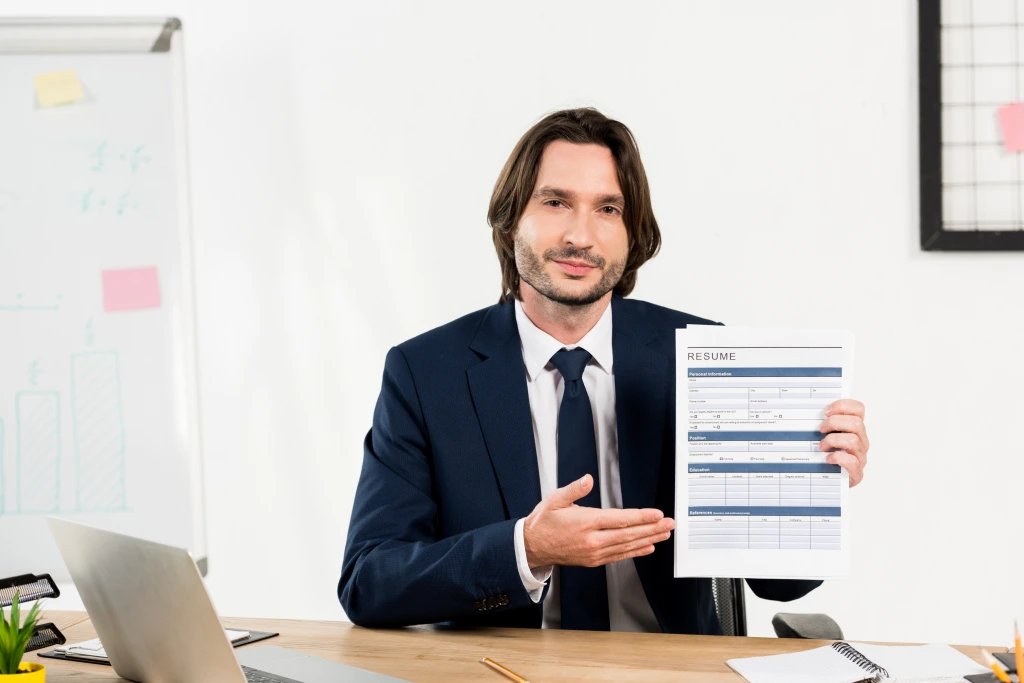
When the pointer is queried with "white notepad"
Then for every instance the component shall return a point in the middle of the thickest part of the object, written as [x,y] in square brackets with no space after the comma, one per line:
[845,663]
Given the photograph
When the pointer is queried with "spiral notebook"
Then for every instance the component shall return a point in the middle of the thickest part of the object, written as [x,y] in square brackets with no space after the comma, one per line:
[843,663]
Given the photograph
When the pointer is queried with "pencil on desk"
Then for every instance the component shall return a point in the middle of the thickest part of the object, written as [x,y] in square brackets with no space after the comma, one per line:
[1018,655]
[511,675]
[996,667]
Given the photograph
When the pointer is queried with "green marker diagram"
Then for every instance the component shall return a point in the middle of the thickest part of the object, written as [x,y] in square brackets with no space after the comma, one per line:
[37,414]
[98,423]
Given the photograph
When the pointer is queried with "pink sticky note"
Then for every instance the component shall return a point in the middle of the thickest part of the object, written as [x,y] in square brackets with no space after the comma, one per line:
[131,289]
[1011,117]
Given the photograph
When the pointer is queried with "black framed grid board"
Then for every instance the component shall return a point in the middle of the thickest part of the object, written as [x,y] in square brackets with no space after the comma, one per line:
[971,81]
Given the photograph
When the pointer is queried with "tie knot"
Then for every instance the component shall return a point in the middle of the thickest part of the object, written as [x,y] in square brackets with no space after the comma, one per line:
[571,363]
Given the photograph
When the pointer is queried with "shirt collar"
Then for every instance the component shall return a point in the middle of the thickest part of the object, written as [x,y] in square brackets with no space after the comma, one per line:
[539,346]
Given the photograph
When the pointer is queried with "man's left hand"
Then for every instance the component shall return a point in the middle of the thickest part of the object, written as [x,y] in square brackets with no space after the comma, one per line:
[844,424]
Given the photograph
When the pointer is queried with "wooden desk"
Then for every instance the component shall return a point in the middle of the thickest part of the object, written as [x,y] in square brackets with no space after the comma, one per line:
[427,655]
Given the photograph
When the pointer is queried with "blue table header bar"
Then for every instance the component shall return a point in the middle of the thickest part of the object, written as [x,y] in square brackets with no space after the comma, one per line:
[764,372]
[822,467]
[766,511]
[755,436]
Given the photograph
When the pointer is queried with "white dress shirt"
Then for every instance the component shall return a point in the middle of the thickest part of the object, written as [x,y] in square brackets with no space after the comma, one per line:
[628,608]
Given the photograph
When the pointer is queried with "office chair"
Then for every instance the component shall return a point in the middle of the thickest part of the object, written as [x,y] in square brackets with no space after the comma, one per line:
[730,605]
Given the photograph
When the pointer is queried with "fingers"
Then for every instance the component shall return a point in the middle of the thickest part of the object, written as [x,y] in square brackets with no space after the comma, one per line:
[850,463]
[615,537]
[845,406]
[843,441]
[846,423]
[646,550]
[841,423]
[570,493]
[847,436]
[633,546]
[601,547]
[613,518]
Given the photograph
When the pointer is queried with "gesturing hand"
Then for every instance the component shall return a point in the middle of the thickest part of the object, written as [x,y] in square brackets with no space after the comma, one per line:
[559,532]
[844,423]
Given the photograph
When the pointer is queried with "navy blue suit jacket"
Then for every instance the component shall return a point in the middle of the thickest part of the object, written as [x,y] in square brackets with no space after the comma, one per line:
[450,465]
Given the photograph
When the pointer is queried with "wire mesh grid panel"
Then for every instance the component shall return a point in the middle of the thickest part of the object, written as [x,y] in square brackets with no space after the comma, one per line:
[971,69]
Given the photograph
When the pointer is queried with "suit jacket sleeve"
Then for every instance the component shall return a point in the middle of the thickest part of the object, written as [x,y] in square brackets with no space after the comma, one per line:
[396,570]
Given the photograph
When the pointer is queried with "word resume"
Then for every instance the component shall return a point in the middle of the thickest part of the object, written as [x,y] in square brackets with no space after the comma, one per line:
[754,495]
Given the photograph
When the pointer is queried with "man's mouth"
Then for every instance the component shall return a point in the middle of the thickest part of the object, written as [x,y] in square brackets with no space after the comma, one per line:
[574,267]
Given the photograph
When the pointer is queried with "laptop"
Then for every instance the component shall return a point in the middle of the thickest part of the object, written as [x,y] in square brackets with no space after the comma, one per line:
[157,624]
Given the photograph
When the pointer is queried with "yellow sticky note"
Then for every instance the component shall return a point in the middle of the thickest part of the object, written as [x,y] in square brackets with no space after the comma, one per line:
[58,87]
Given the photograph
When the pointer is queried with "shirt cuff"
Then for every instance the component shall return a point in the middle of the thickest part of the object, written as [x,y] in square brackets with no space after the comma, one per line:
[533,580]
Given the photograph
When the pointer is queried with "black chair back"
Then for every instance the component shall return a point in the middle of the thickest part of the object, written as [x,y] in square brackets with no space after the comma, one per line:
[730,606]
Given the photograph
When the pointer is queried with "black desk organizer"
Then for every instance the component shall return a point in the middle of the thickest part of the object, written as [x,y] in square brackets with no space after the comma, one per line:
[1007,659]
[29,588]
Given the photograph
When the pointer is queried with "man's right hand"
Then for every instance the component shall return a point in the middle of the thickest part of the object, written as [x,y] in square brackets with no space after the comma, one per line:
[559,532]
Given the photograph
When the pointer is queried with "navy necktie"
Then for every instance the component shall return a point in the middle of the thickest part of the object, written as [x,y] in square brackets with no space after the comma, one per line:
[584,590]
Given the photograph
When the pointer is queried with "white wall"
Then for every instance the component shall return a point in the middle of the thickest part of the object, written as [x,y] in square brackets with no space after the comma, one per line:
[343,155]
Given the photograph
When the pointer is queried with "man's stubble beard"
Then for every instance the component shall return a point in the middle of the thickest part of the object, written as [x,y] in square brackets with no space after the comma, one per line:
[531,271]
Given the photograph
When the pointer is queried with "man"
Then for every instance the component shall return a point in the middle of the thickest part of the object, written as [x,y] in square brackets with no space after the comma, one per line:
[520,467]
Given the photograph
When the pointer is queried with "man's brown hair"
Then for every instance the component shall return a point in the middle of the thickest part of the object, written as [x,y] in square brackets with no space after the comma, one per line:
[515,186]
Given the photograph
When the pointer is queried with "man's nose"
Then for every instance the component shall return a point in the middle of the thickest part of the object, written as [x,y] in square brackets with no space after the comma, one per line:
[582,230]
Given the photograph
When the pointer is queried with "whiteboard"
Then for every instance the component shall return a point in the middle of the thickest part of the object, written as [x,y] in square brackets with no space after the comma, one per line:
[98,392]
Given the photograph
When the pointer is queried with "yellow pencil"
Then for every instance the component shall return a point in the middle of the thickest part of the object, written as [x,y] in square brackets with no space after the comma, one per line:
[503,671]
[1018,654]
[996,667]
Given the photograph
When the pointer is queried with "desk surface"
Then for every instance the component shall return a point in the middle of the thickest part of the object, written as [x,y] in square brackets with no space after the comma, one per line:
[427,655]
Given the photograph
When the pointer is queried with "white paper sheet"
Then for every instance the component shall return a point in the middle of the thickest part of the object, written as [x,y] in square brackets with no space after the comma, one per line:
[754,495]
[901,663]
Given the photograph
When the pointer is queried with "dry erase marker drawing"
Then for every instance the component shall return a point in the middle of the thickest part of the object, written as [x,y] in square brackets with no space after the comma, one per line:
[98,428]
[115,204]
[125,158]
[21,304]
[37,414]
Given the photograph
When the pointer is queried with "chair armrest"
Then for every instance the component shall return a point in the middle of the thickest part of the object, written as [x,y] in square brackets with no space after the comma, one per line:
[815,626]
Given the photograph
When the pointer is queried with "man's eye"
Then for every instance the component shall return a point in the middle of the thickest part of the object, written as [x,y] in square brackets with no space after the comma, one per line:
[553,202]
[610,210]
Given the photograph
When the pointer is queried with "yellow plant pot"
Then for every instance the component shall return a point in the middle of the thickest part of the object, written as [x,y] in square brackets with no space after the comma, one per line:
[36,674]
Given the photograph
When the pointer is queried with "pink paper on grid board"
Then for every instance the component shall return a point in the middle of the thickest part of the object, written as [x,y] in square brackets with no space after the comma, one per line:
[131,289]
[1011,118]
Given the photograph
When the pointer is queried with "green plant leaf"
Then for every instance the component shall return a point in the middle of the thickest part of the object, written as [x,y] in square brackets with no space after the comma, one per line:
[5,643]
[15,621]
[9,628]
[15,636]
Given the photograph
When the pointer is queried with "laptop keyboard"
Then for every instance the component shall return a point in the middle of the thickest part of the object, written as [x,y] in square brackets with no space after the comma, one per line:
[257,676]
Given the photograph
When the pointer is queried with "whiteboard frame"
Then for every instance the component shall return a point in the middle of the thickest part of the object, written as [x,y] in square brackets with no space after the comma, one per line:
[934,236]
[26,35]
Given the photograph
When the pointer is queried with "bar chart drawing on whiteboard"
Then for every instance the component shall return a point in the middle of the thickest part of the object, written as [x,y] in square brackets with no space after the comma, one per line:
[37,414]
[35,481]
[98,421]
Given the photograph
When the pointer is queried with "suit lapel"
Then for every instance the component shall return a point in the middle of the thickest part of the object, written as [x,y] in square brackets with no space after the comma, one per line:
[498,387]
[642,378]
[642,383]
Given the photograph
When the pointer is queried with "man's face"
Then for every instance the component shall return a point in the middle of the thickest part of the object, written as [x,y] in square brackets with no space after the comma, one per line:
[571,244]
